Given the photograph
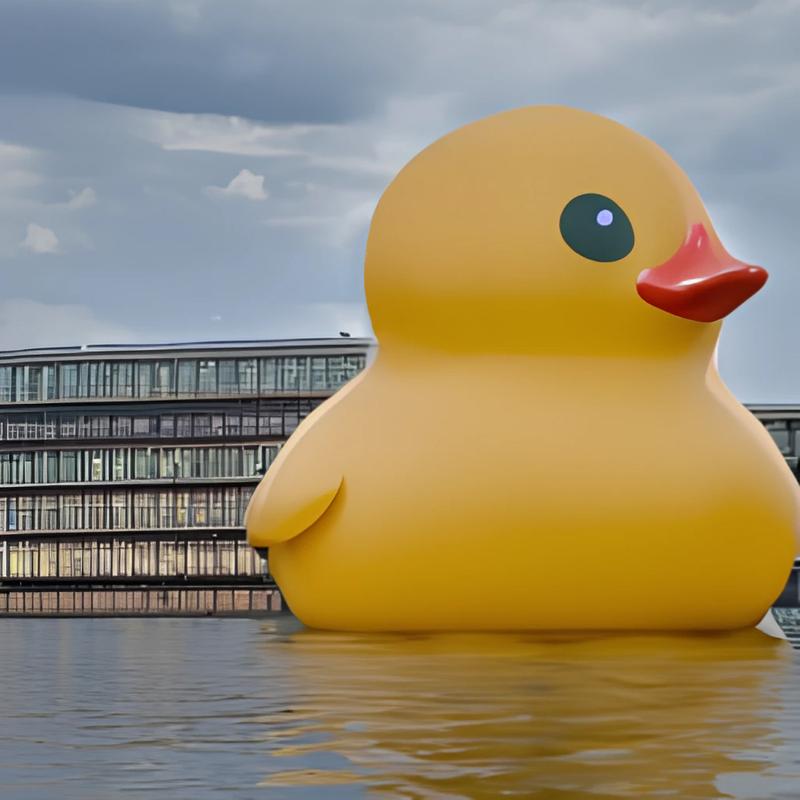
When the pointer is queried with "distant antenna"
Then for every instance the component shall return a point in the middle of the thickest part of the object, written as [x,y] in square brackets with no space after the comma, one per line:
[345,334]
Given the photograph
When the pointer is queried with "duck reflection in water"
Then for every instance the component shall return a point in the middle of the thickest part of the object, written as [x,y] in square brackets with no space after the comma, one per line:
[446,716]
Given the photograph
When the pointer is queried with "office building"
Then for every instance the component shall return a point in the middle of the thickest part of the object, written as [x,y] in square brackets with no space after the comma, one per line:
[125,471]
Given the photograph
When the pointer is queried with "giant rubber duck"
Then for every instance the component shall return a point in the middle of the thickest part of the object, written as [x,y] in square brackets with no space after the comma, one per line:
[543,441]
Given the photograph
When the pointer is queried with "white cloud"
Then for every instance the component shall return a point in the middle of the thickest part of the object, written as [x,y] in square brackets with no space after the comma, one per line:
[39,239]
[28,323]
[245,184]
[83,199]
[371,147]
[219,134]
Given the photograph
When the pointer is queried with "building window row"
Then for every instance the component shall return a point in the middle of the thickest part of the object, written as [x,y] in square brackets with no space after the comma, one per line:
[134,463]
[136,509]
[785,434]
[126,559]
[268,418]
[177,377]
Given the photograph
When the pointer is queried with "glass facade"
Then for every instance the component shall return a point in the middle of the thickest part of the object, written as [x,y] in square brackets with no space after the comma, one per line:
[177,377]
[270,418]
[134,464]
[133,509]
[785,434]
[127,558]
[783,425]
[138,467]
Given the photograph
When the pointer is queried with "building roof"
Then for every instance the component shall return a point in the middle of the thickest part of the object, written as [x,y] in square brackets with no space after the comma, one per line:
[137,350]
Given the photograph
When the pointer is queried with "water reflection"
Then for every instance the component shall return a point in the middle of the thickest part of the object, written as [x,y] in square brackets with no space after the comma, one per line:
[241,709]
[490,716]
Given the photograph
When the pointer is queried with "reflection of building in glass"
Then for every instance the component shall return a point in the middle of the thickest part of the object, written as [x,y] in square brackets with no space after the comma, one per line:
[783,424]
[125,471]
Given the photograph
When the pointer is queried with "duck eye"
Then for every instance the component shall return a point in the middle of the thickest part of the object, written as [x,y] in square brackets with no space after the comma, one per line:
[595,227]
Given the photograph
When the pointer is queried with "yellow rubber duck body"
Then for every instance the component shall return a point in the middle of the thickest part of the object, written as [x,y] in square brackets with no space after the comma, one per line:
[543,441]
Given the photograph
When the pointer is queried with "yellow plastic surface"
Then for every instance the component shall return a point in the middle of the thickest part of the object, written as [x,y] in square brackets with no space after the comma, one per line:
[535,446]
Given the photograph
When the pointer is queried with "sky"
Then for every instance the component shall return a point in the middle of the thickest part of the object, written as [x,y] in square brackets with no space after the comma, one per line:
[176,170]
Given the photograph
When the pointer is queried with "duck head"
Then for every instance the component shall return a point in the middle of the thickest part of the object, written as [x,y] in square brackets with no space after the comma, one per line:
[549,230]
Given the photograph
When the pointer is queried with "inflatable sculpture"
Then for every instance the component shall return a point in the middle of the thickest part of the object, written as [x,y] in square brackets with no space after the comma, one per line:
[543,441]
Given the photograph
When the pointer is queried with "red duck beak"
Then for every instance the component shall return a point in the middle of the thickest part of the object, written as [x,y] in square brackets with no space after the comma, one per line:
[698,283]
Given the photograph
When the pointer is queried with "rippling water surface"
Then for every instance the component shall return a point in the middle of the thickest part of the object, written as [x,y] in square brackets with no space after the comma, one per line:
[236,708]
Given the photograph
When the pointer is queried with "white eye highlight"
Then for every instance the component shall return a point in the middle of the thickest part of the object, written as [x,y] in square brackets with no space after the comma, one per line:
[604,217]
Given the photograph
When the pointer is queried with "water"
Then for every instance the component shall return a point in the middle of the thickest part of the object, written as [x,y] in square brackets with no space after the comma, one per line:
[238,708]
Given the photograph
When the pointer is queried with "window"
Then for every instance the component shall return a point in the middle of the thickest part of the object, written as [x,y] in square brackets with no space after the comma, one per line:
[51,381]
[184,462]
[97,465]
[187,377]
[214,461]
[33,384]
[200,507]
[232,424]
[145,463]
[121,426]
[207,377]
[162,378]
[268,375]
[95,511]
[303,374]
[167,425]
[120,463]
[48,519]
[354,365]
[228,377]
[83,427]
[25,513]
[95,383]
[71,511]
[69,380]
[121,379]
[202,425]
[336,372]
[215,506]
[247,376]
[184,425]
[290,375]
[145,378]
[51,467]
[181,508]
[168,463]
[780,434]
[318,379]
[268,453]
[69,465]
[248,423]
[99,426]
[5,383]
[142,426]
[200,462]
[233,462]
[291,416]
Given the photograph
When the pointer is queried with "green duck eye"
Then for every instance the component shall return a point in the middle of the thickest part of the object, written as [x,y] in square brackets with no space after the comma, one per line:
[595,227]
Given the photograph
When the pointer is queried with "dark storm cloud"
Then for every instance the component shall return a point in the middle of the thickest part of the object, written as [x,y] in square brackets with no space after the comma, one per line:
[275,61]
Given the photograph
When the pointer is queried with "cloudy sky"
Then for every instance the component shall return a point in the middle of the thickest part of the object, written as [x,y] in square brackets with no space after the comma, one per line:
[206,169]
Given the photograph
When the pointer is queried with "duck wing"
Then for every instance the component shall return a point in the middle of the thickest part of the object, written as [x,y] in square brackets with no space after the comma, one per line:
[297,490]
